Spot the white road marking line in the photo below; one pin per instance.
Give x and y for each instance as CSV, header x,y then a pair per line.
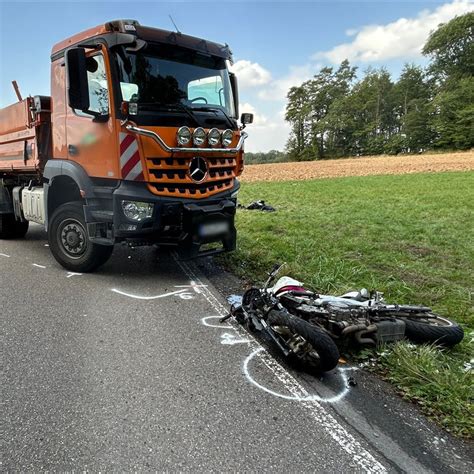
x,y
4,255
138,297
337,432
39,266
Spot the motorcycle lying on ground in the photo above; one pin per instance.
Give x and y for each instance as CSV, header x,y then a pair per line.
x,y
309,327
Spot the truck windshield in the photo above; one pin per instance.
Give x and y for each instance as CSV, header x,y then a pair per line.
x,y
161,75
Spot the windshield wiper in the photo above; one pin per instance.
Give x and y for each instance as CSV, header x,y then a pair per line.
x,y
176,105
210,108
189,111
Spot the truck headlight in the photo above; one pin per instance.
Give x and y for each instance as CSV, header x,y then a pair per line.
x,y
214,136
227,137
199,136
136,210
183,135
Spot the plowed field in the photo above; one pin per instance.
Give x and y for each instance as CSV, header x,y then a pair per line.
x,y
365,166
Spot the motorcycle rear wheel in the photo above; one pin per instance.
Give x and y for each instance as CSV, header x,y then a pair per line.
x,y
435,329
321,354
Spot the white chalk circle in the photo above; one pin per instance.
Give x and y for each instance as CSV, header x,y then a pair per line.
x,y
308,398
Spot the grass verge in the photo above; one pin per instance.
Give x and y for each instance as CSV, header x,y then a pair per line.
x,y
410,236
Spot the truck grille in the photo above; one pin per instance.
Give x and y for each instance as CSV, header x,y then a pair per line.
x,y
170,177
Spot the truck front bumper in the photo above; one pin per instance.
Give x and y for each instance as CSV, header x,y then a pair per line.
x,y
188,225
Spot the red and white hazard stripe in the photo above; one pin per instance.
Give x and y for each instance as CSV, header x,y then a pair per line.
x,y
130,162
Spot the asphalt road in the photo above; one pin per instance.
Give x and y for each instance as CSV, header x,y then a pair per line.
x,y
125,369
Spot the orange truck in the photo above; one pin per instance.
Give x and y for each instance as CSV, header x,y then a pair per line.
x,y
139,142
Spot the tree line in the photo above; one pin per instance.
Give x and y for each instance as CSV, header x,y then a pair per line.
x,y
334,114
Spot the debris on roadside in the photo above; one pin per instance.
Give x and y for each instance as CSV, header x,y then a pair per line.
x,y
468,366
351,382
258,206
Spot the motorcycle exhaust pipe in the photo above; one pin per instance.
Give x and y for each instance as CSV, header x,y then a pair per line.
x,y
366,340
354,328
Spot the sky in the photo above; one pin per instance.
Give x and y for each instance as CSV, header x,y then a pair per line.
x,y
276,44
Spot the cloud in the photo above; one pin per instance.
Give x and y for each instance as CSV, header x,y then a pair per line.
x,y
265,134
271,136
278,89
258,119
403,38
250,74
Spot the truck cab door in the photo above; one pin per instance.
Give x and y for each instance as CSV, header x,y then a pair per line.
x,y
91,137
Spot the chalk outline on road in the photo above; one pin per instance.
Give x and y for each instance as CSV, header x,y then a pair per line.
x,y
228,339
332,427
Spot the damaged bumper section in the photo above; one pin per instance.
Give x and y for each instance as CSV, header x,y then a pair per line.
x,y
132,214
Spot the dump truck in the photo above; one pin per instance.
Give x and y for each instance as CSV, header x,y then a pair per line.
x,y
139,142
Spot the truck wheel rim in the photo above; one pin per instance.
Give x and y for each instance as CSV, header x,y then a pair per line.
x,y
73,239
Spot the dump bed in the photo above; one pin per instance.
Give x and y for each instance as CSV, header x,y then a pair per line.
x,y
24,135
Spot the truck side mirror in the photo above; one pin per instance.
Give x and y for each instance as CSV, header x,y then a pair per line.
x,y
77,88
235,92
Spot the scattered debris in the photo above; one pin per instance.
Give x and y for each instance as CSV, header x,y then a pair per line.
x,y
469,366
234,300
351,381
258,206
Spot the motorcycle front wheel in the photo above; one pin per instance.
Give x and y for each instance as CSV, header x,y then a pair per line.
x,y
433,329
310,345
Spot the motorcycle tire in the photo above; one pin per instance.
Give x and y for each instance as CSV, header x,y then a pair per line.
x,y
321,343
252,299
435,329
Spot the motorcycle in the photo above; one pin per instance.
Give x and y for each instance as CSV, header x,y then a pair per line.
x,y
309,326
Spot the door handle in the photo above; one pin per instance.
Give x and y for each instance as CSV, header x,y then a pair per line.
x,y
73,150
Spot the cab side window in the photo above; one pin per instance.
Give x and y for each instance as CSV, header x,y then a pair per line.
x,y
98,87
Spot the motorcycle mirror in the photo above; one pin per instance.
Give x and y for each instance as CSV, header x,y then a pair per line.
x,y
277,267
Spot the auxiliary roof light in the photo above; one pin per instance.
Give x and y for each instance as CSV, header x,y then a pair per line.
x,y
199,136
214,136
184,135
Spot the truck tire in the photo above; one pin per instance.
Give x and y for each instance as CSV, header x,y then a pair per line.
x,y
69,242
10,228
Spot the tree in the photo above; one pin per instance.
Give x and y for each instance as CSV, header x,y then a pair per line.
x,y
412,96
454,115
307,108
373,118
332,115
451,48
297,110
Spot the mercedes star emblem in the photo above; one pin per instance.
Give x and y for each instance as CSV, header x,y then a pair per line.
x,y
198,169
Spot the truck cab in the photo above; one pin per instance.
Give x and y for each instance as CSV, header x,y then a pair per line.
x,y
139,142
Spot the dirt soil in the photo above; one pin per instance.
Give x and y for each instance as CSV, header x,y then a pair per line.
x,y
364,166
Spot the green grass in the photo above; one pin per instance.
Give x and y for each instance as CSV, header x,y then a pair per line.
x,y
410,236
